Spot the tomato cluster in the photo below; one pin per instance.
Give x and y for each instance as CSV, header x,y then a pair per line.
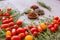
x,y
54,25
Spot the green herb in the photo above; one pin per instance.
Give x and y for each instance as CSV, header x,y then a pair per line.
x,y
44,5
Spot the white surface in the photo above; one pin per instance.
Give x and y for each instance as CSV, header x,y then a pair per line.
x,y
22,4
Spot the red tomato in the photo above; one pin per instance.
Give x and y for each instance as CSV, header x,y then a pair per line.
x,y
4,25
5,21
9,9
40,29
3,18
59,21
26,28
15,38
15,26
22,35
55,21
6,14
52,29
13,32
8,37
26,33
34,7
11,24
11,20
1,10
56,26
56,17
33,29
35,33
30,27
10,16
8,29
50,25
20,30
19,22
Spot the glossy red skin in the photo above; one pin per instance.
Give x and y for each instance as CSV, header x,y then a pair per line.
x,y
10,16
26,33
33,29
4,25
15,26
1,10
26,28
11,20
35,33
22,35
20,30
40,29
8,29
6,14
56,26
13,32
56,17
15,38
50,26
9,9
59,21
19,22
8,37
5,21
3,18
52,30
11,24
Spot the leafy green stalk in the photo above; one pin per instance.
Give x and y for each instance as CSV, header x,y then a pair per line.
x,y
44,5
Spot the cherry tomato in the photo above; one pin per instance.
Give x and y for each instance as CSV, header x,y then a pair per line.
x,y
10,16
40,29
50,25
6,14
15,26
43,26
55,21
13,31
8,37
30,27
34,7
8,33
19,22
56,17
5,21
11,24
59,21
15,38
35,33
33,29
52,29
56,26
20,30
3,18
9,9
1,10
29,37
11,20
4,25
22,35
26,33
26,28
8,29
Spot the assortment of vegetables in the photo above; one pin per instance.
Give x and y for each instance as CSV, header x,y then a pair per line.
x,y
12,29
